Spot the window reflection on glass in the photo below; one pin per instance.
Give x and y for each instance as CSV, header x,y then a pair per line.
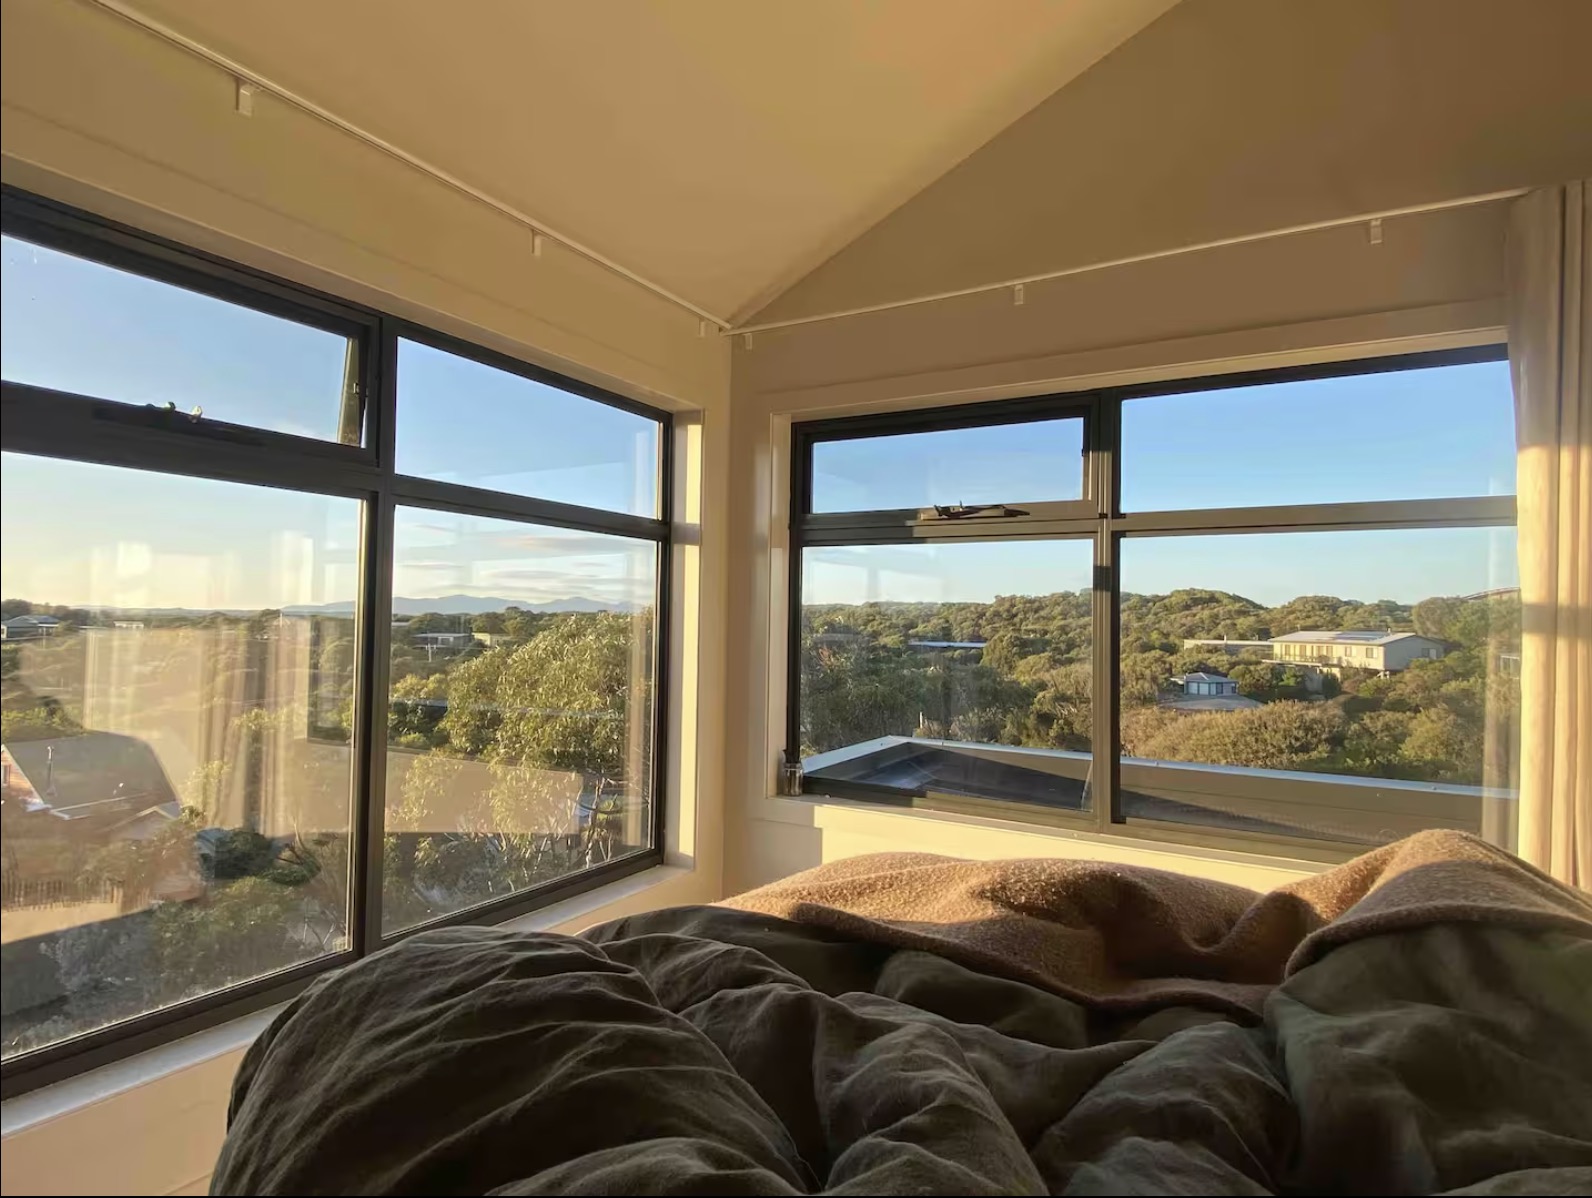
x,y
74,325
1032,462
521,718
1435,433
916,658
1386,655
177,698
460,421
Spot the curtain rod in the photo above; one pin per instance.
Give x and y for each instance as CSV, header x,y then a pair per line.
x,y
1243,239
252,78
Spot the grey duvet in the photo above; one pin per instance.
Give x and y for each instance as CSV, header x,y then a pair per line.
x,y
1422,1025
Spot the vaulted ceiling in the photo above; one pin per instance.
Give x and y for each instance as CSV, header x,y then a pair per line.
x,y
719,148
782,158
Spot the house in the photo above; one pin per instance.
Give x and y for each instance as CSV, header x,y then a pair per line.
x,y
1384,652
29,628
1204,691
449,641
1202,685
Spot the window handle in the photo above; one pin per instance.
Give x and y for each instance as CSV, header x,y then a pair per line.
x,y
961,511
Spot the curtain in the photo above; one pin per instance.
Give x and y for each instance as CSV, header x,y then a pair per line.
x,y
1550,355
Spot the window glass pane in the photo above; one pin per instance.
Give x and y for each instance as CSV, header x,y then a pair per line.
x,y
916,660
177,696
1279,661
75,325
460,421
1437,433
998,463
521,721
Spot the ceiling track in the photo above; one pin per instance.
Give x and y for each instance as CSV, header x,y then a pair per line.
x,y
254,79
1018,287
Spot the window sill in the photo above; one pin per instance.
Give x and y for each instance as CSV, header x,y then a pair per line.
x,y
659,886
982,837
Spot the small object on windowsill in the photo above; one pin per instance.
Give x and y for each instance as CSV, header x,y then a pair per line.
x,y
962,511
790,774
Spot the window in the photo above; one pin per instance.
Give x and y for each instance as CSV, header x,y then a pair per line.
x,y
907,650
370,641
463,421
1437,730
177,794
1020,462
75,325
519,728
1313,654
1435,433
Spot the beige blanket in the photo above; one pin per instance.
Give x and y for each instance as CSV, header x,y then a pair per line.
x,y
1126,936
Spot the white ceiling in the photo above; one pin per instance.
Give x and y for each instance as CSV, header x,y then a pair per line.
x,y
719,148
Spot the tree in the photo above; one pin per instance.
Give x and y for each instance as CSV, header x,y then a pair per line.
x,y
1283,735
561,701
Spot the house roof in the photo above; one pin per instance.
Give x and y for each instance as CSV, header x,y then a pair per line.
x,y
1202,676
1351,638
74,773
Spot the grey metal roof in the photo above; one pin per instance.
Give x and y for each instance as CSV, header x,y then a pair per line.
x,y
1350,638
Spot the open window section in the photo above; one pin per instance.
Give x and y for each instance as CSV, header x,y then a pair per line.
x,y
960,469
948,671
1349,686
71,324
178,685
463,421
521,716
1441,432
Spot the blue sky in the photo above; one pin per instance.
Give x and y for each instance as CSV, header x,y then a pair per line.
x,y
83,327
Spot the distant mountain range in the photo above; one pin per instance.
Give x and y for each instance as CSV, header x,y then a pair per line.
x,y
447,605
467,605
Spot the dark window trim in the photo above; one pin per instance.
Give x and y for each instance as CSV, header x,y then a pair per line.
x,y
1109,525
46,423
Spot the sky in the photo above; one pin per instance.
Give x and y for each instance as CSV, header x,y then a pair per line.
x,y
1429,434
80,534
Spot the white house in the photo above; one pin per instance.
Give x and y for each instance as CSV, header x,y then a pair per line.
x,y
1380,651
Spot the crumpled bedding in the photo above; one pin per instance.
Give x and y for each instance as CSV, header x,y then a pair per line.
x,y
1420,1034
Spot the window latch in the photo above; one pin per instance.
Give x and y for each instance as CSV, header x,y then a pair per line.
x,y
962,511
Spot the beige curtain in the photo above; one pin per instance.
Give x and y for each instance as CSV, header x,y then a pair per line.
x,y
1550,354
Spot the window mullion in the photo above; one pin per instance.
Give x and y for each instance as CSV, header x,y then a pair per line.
x,y
376,641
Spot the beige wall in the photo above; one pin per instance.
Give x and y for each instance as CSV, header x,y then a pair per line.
x,y
1232,117
1435,279
98,114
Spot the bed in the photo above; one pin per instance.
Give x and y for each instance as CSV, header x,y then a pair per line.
x,y
1416,1021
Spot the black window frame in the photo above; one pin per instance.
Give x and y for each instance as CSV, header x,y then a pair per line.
x,y
57,424
1099,517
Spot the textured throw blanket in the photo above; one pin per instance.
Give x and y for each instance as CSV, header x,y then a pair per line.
x,y
1419,1020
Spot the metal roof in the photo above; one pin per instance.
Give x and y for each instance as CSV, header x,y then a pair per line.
x,y
1350,638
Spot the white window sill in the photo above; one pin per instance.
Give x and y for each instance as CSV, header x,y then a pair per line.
x,y
1017,839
